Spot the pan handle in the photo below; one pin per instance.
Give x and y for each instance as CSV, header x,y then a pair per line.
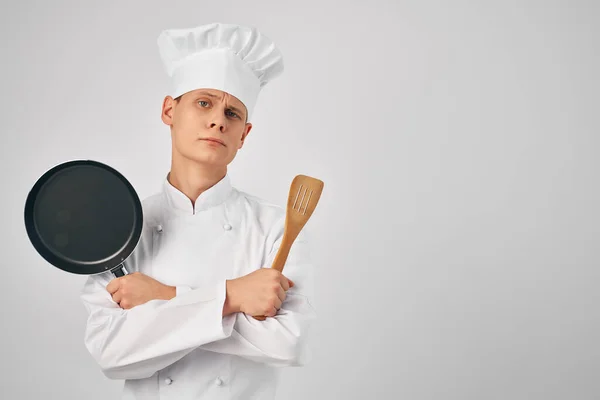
x,y
120,271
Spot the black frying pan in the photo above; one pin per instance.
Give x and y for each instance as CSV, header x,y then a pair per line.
x,y
84,217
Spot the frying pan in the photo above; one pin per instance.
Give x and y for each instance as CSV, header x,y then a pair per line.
x,y
84,217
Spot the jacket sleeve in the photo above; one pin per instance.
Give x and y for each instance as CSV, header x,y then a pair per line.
x,y
135,343
283,339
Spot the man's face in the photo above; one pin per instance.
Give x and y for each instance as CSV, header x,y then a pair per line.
x,y
202,118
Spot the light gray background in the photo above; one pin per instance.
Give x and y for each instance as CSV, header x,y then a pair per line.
x,y
456,242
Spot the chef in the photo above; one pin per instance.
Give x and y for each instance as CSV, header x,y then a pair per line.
x,y
181,324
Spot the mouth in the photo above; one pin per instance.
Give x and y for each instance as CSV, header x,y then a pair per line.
x,y
214,141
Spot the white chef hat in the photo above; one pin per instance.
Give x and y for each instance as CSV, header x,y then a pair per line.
x,y
236,59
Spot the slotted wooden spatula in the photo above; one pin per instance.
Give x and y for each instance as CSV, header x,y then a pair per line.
x,y
304,195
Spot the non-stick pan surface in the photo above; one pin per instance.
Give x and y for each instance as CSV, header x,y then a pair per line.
x,y
84,217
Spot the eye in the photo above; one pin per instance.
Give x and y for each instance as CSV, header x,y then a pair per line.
x,y
201,103
234,115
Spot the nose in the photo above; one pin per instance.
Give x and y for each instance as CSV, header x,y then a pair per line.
x,y
218,121
220,126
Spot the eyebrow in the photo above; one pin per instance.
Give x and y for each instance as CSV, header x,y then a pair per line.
x,y
216,97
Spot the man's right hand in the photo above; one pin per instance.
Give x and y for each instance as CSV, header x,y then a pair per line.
x,y
259,293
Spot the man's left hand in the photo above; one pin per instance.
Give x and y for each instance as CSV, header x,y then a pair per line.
x,y
136,288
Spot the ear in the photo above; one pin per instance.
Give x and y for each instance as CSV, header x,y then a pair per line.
x,y
245,134
167,110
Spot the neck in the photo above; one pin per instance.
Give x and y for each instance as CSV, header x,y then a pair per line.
x,y
193,178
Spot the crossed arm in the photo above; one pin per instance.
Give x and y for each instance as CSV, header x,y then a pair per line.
x,y
161,324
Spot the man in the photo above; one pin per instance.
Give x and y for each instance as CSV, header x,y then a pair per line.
x,y
181,324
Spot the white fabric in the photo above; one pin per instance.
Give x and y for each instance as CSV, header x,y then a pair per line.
x,y
236,59
183,348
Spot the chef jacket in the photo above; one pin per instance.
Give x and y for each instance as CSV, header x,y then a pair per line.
x,y
184,348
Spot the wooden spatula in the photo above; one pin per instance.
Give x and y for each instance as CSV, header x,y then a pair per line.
x,y
304,195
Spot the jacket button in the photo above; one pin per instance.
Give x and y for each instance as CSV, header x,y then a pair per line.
x,y
218,381
159,228
168,381
227,227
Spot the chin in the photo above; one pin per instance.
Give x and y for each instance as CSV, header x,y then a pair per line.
x,y
207,160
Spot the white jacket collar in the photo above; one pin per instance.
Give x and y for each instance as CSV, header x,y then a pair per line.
x,y
177,201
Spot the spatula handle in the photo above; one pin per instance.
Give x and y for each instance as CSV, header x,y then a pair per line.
x,y
282,255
